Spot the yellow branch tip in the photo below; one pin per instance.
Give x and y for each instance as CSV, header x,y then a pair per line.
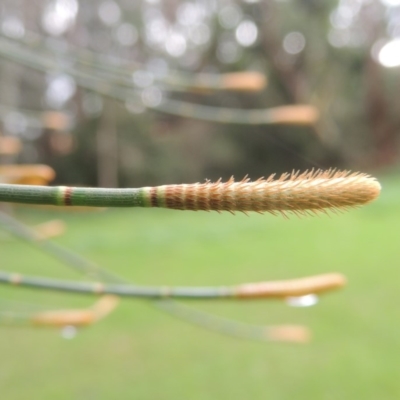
x,y
316,284
289,333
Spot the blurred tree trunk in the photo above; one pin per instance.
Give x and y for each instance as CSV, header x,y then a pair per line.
x,y
378,115
291,77
107,147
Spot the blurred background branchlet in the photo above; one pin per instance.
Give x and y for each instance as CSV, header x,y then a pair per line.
x,y
98,89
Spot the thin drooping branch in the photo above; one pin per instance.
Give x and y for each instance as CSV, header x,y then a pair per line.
x,y
120,71
42,315
274,289
281,333
301,114
66,256
177,309
86,317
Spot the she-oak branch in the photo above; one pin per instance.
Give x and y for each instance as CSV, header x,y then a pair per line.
x,y
309,192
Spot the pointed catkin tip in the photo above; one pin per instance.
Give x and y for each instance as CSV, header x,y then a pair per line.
x,y
63,318
289,333
316,284
375,188
244,81
295,115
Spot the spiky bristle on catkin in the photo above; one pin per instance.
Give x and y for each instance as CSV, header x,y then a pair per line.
x,y
313,191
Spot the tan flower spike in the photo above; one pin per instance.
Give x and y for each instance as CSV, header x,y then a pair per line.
x,y
313,191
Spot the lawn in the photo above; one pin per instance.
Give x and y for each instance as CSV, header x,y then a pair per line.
x,y
140,353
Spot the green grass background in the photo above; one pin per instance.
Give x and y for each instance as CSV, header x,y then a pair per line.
x,y
140,353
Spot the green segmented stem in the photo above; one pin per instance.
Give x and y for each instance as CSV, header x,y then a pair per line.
x,y
274,289
278,289
68,196
99,289
310,192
